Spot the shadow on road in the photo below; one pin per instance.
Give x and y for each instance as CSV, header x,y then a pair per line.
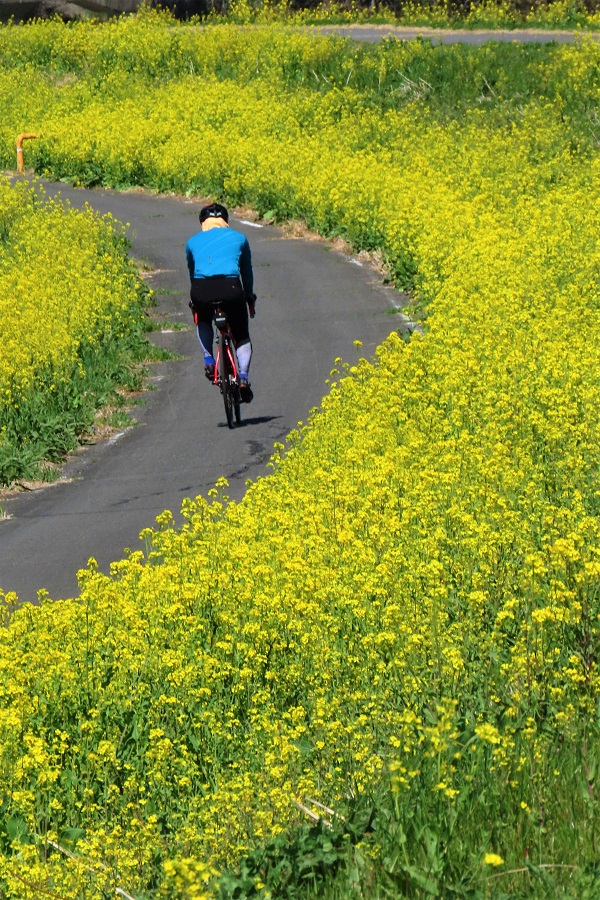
x,y
257,420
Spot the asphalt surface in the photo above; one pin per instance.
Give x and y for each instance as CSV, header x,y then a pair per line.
x,y
313,303
375,33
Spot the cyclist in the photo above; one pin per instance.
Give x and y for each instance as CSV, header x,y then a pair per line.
x,y
220,266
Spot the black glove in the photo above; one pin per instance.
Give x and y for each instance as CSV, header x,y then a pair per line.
x,y
251,301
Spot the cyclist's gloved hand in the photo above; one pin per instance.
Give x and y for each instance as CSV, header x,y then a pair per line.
x,y
251,299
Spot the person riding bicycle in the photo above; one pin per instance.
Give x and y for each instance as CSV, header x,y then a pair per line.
x,y
220,267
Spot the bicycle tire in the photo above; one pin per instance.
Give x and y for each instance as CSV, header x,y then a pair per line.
x,y
234,383
226,387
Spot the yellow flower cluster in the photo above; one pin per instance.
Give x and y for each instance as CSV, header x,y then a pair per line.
x,y
412,598
62,282
488,14
65,284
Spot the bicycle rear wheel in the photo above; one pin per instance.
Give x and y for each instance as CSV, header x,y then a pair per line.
x,y
234,384
225,379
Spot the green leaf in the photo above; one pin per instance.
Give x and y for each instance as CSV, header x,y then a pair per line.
x,y
423,881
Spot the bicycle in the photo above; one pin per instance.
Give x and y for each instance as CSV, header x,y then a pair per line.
x,y
226,375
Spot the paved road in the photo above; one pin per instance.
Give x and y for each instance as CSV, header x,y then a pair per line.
x,y
313,303
375,33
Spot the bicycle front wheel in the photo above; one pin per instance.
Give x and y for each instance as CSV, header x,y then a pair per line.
x,y
226,385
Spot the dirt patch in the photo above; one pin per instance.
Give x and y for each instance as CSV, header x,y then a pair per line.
x,y
146,273
64,79
27,485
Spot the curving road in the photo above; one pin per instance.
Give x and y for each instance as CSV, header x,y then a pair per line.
x,y
313,303
375,33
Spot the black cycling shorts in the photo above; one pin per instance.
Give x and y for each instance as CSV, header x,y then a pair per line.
x,y
230,294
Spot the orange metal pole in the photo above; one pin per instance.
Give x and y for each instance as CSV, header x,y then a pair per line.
x,y
22,137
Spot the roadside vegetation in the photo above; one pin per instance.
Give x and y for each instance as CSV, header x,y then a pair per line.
x,y
493,14
71,308
399,629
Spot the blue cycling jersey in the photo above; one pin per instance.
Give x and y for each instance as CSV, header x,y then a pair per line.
x,y
220,252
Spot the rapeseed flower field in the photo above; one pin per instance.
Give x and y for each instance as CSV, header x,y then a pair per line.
x,y
402,622
70,302
487,14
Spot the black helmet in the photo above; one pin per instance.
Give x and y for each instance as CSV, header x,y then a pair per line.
x,y
213,211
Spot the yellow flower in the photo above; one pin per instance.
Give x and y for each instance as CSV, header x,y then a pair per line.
x,y
492,859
